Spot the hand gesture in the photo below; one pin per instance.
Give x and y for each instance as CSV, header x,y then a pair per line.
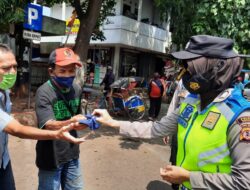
x,y
103,117
63,134
174,174
77,125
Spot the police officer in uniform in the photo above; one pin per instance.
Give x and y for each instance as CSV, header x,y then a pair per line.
x,y
212,123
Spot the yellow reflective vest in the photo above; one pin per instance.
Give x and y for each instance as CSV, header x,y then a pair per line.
x,y
202,136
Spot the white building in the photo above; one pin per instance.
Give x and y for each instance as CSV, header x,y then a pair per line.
x,y
138,39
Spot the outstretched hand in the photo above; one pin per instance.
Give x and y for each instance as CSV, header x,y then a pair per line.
x,y
174,174
77,125
103,117
63,134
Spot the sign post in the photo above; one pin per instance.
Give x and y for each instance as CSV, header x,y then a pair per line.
x,y
30,71
33,21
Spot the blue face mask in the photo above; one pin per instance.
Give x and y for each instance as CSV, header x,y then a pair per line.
x,y
65,82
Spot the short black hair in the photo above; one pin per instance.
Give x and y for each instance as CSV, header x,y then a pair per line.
x,y
52,65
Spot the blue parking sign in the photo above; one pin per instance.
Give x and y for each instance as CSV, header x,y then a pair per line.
x,y
33,17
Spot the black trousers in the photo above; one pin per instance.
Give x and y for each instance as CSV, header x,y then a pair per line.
x,y
173,155
6,178
155,107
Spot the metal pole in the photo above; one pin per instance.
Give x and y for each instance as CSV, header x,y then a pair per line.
x,y
70,25
30,61
66,41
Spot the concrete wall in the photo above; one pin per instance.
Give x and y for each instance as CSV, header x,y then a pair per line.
x,y
118,7
56,11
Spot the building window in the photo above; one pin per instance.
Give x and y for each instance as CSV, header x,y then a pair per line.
x,y
128,12
129,61
100,56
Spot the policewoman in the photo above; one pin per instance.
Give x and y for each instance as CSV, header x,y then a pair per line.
x,y
212,123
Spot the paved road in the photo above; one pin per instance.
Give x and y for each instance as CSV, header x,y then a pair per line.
x,y
109,162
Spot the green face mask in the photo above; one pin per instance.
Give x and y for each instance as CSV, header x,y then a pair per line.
x,y
8,81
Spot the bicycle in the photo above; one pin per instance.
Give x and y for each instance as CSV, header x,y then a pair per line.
x,y
126,98
120,101
90,100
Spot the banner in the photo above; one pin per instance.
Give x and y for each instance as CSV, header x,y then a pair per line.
x,y
72,28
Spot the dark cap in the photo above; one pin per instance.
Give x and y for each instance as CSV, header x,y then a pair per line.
x,y
207,46
63,57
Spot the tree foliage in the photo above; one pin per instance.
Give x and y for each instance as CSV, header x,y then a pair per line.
x,y
11,11
227,18
224,18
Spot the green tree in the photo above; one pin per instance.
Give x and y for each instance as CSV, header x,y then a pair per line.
x,y
11,12
224,18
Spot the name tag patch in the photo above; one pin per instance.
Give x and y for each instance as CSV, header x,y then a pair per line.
x,y
185,115
187,112
211,120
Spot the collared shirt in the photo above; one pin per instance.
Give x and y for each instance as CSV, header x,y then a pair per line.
x,y
5,107
179,95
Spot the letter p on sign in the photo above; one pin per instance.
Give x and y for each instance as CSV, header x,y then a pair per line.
x,y
33,17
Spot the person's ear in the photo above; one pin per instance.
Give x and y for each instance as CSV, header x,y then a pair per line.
x,y
50,70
